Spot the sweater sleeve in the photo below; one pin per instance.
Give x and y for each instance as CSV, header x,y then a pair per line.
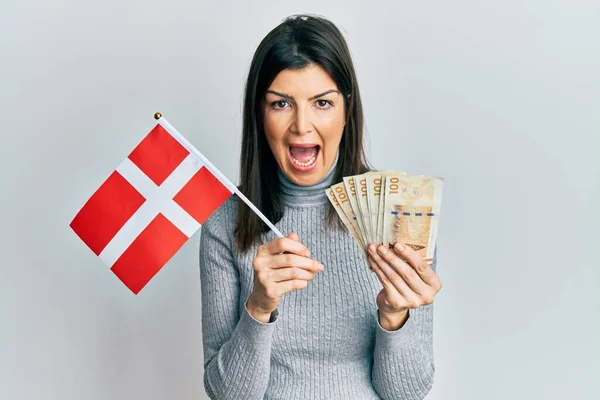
x,y
237,348
403,364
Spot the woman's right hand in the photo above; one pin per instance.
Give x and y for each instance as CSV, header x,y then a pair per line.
x,y
280,266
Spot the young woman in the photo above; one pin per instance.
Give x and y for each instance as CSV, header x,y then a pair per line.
x,y
303,317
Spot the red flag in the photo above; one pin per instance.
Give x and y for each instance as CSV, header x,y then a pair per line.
x,y
150,206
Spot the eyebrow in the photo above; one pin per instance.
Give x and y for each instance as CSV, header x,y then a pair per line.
x,y
287,96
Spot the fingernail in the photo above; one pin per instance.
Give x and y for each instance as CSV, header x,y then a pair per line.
x,y
382,249
321,267
399,246
372,248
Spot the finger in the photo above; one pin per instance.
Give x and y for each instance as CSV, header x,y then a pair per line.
x,y
280,245
294,236
392,296
293,273
416,262
404,270
382,277
290,286
396,280
371,263
293,260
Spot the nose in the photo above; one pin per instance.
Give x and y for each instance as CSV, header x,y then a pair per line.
x,y
302,123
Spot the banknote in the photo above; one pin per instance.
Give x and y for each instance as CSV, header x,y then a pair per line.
x,y
377,195
339,191
374,194
411,212
350,185
338,208
385,207
362,195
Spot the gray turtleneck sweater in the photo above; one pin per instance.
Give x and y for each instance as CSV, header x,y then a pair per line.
x,y
323,341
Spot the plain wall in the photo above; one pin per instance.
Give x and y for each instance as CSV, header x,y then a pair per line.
x,y
499,98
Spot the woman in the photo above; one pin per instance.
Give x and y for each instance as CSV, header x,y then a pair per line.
x,y
302,317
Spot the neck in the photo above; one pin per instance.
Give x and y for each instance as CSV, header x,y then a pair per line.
x,y
298,195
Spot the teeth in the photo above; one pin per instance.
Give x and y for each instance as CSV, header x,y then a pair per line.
x,y
306,164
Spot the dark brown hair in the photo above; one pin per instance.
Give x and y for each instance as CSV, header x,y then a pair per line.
x,y
300,40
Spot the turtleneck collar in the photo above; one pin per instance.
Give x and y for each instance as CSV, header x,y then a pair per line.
x,y
297,195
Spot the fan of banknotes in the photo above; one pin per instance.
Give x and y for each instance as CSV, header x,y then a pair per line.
x,y
385,207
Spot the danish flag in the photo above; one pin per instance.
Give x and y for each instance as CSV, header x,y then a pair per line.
x,y
154,201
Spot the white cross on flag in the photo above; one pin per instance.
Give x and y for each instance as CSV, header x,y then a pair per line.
x,y
151,205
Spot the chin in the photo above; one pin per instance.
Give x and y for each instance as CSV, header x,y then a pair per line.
x,y
305,178
310,180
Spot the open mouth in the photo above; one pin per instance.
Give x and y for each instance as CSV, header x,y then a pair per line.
x,y
304,156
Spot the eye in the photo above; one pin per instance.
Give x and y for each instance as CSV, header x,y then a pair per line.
x,y
416,192
324,104
277,103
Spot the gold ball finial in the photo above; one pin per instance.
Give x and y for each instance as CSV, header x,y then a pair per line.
x,y
157,115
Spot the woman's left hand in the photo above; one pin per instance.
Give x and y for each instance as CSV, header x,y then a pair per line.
x,y
408,281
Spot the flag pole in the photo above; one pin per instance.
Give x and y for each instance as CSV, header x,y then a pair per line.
x,y
218,174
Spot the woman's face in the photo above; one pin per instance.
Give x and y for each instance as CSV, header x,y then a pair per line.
x,y
304,120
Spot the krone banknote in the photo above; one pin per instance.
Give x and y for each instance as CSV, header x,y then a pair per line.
x,y
411,212
338,208
362,199
379,185
374,194
350,185
339,191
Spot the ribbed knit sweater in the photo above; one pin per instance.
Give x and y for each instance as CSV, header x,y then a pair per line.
x,y
323,341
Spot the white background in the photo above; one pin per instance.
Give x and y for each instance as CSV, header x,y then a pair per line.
x,y
500,98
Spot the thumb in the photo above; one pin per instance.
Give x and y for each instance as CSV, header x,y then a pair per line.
x,y
294,236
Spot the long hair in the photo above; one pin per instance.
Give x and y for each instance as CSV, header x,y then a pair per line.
x,y
300,40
